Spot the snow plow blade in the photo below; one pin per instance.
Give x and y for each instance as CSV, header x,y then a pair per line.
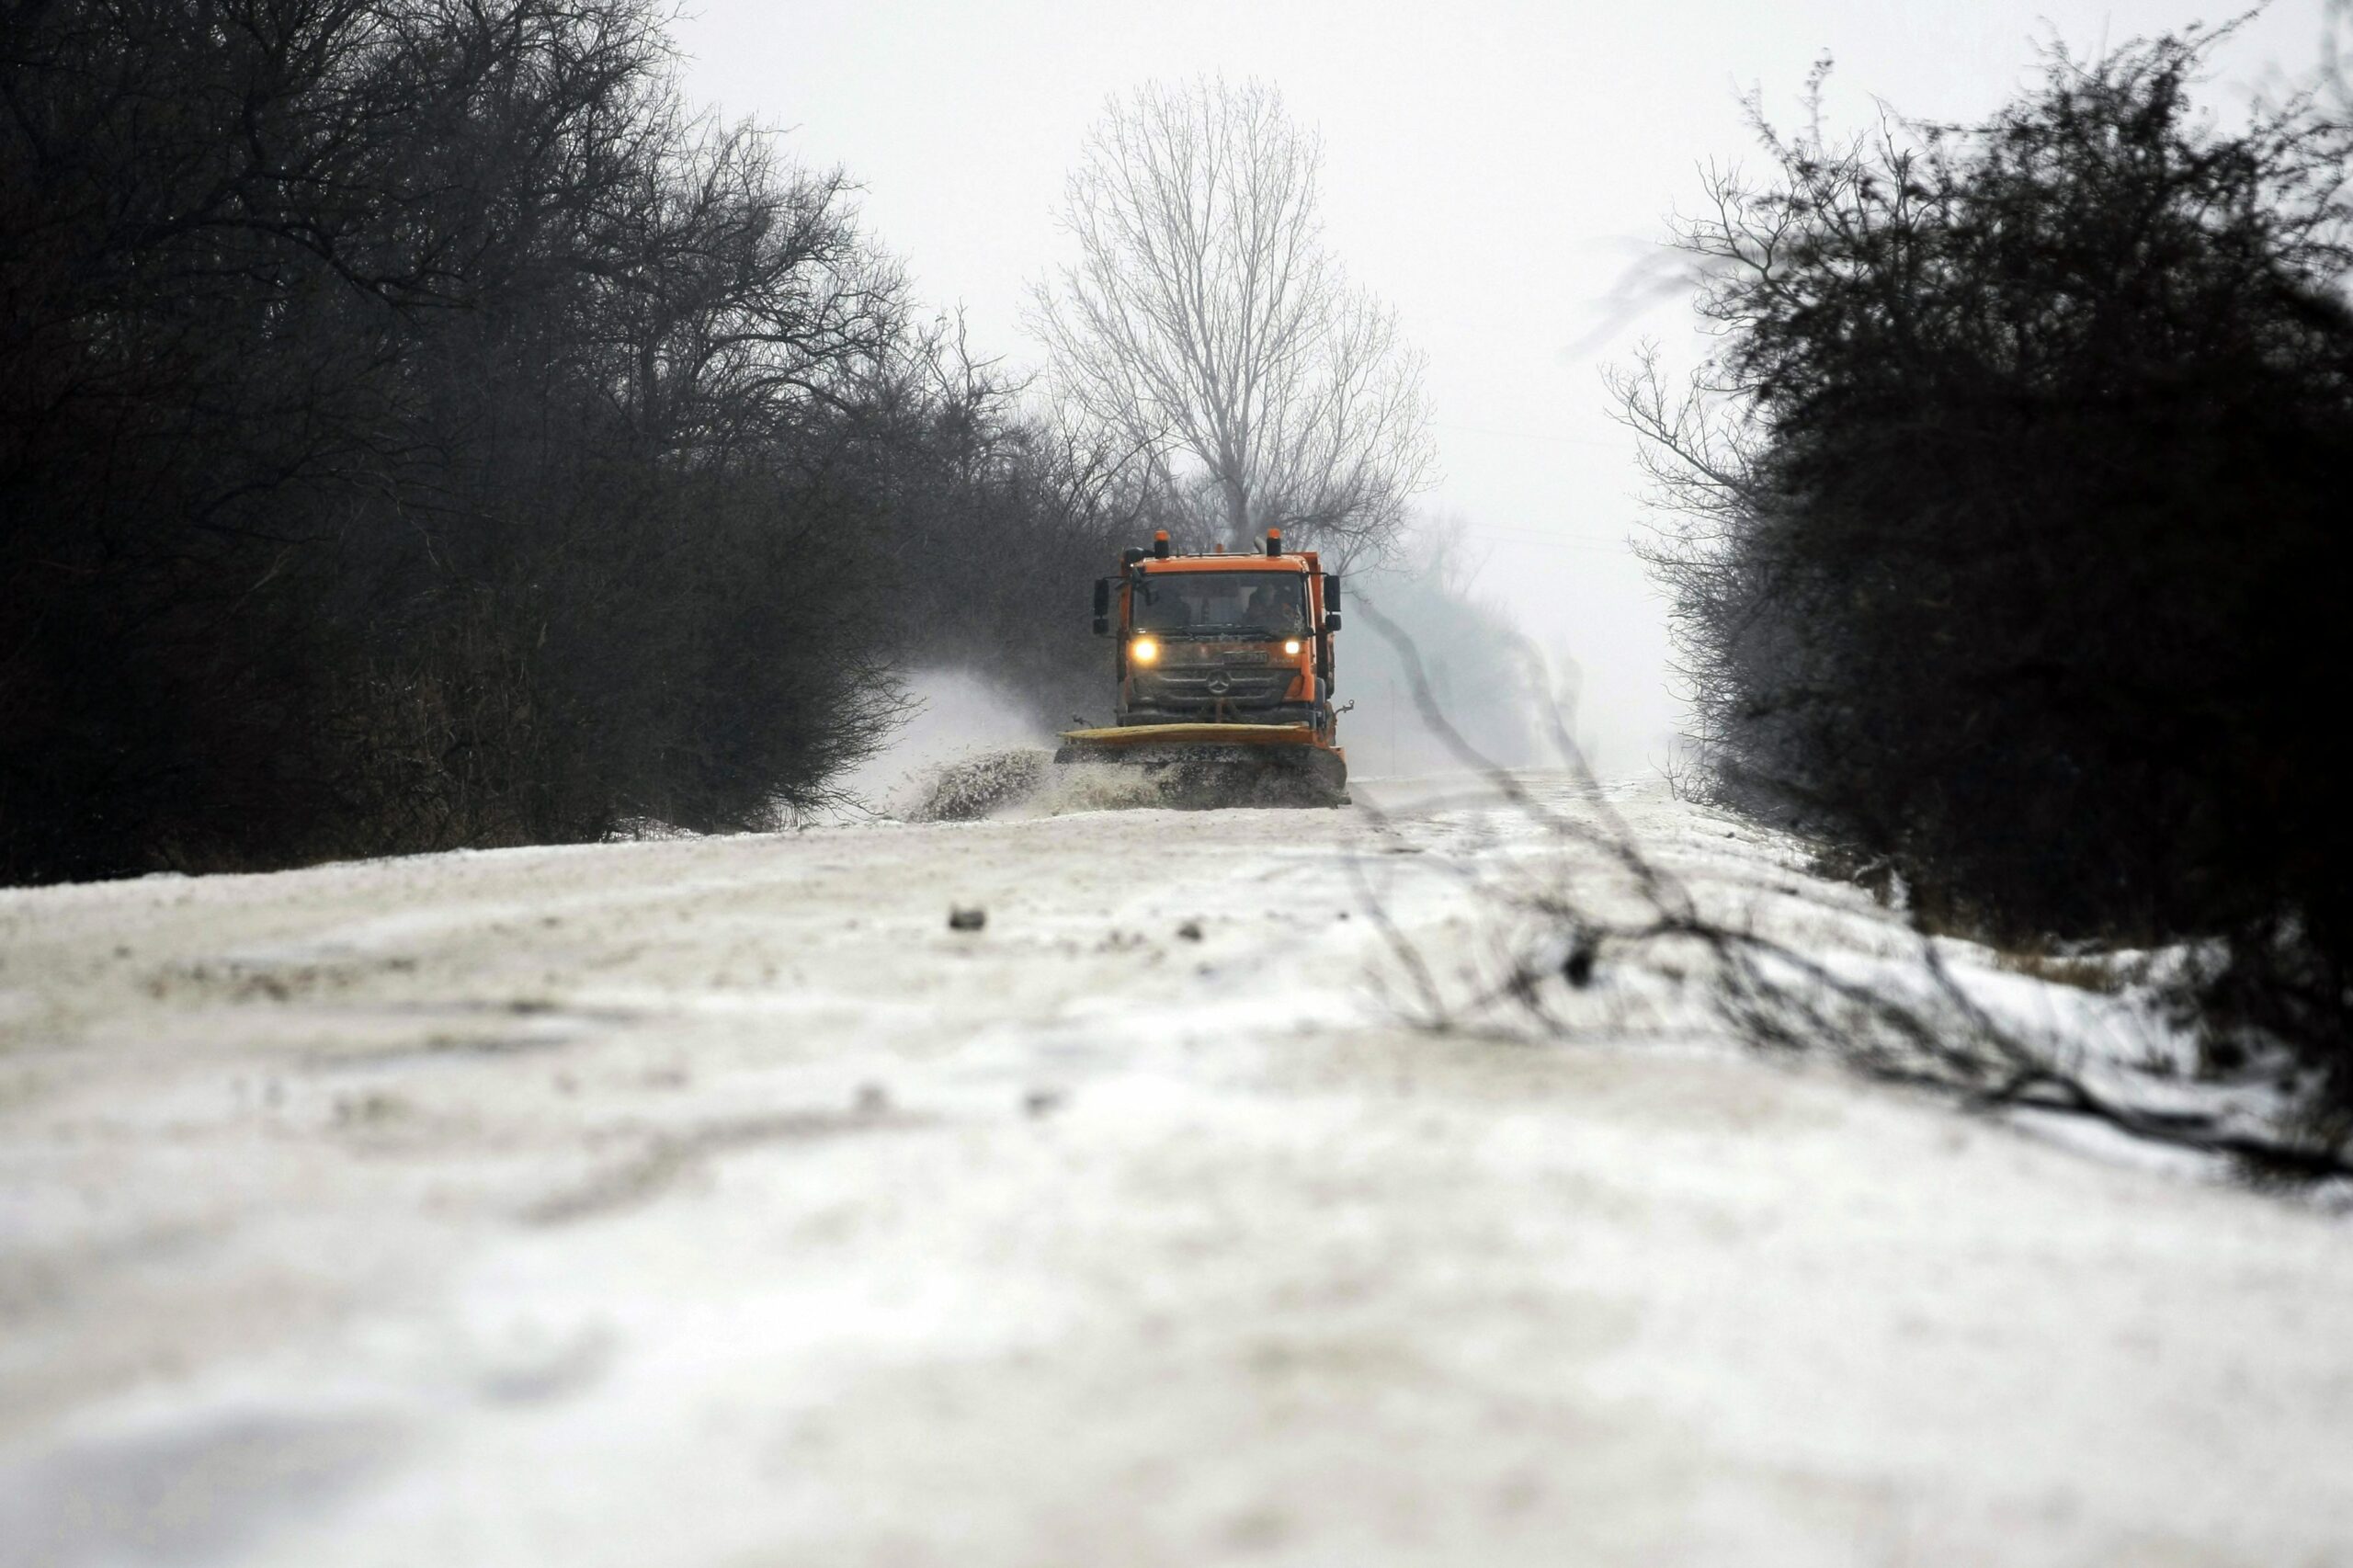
x,y
1202,766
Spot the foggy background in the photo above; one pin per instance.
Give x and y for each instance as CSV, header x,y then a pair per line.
x,y
1493,170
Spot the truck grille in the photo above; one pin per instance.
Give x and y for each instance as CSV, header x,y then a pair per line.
x,y
1207,687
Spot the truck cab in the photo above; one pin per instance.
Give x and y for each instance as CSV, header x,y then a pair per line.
x,y
1236,637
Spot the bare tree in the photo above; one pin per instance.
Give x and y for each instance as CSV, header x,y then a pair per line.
x,y
1205,329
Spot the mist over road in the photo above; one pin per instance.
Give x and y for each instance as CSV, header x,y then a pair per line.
x,y
714,1201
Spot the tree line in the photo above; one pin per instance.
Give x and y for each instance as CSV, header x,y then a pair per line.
x,y
418,428
2009,524
421,427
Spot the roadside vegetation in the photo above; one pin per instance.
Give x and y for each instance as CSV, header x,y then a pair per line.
x,y
420,428
2005,529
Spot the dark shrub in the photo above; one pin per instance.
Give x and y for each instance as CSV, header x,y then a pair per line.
x,y
2021,566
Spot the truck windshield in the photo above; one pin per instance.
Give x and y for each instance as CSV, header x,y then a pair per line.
x,y
1262,603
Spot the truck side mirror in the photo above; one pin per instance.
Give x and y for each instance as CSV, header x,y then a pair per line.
x,y
1332,621
1332,591
1102,606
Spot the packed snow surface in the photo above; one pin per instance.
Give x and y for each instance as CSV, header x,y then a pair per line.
x,y
714,1203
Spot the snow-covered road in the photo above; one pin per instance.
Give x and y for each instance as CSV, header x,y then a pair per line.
x,y
712,1203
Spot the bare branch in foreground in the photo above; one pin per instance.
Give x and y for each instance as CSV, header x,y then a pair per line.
x,y
1919,1027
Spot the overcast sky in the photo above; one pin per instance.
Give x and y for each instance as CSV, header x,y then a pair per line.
x,y
1490,169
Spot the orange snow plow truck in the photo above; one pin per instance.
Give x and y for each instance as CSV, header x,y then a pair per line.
x,y
1224,667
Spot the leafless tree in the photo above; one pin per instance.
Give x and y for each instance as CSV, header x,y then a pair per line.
x,y
421,426
1205,328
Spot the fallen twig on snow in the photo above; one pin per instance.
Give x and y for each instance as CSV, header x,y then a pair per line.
x,y
1772,995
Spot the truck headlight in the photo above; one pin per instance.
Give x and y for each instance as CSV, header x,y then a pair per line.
x,y
1143,650
1290,646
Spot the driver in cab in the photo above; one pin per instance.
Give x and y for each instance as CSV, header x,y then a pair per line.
x,y
1267,611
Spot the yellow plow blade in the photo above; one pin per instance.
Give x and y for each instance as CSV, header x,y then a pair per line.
x,y
1201,766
